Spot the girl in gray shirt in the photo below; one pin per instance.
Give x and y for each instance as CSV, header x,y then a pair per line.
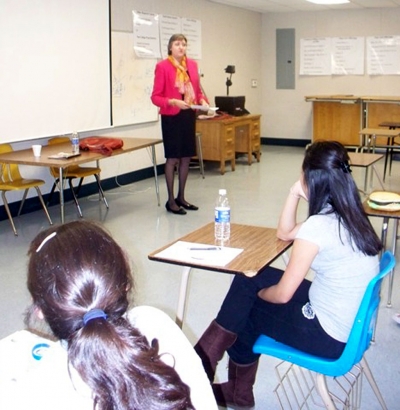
x,y
337,242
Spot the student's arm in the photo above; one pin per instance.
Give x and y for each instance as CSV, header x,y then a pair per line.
x,y
303,253
287,225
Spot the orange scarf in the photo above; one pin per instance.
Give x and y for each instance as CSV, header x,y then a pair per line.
x,y
182,81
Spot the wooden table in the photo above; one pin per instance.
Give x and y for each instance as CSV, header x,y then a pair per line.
x,y
337,117
364,160
386,216
25,157
260,248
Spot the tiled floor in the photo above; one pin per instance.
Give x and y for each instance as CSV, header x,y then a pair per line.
x,y
256,194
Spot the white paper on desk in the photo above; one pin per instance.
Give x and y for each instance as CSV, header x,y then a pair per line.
x,y
203,108
180,251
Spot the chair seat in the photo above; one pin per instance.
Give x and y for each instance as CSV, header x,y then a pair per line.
x,y
79,172
75,172
329,367
17,185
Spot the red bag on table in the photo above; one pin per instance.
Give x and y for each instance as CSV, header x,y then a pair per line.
x,y
102,145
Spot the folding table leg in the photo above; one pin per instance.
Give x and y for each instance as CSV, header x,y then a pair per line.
x,y
180,312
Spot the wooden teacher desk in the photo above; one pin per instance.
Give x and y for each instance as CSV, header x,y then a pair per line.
x,y
25,157
223,137
341,117
260,248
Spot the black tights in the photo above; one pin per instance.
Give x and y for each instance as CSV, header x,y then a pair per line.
x,y
182,164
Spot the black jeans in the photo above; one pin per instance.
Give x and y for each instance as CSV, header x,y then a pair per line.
x,y
245,314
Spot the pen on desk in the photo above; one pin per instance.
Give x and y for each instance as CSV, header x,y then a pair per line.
x,y
211,248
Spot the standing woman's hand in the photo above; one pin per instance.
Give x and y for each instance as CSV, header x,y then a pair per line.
x,y
174,102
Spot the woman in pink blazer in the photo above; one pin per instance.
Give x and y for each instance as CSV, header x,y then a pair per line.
x,y
176,89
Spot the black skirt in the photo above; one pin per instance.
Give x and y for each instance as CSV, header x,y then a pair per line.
x,y
179,134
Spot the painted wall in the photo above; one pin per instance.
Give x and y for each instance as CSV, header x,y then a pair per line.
x,y
230,36
285,113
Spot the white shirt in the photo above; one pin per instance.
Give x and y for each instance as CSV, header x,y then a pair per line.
x,y
342,274
44,382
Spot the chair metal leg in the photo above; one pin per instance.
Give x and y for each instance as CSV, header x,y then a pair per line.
x,y
22,201
391,275
43,204
79,186
101,192
200,153
324,392
75,198
49,198
372,382
3,194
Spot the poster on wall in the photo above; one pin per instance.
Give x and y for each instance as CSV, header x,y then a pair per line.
x,y
169,25
191,28
383,55
348,55
315,56
152,32
146,37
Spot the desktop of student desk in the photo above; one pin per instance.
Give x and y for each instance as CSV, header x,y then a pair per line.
x,y
25,157
260,248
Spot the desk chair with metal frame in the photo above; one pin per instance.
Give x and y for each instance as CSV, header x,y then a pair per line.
x,y
351,364
73,172
11,180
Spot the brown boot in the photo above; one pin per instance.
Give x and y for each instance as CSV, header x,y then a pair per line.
x,y
238,390
212,346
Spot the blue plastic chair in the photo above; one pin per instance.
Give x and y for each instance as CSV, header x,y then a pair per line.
x,y
353,354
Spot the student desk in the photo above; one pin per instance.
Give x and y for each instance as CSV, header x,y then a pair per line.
x,y
369,136
25,157
260,248
387,216
358,159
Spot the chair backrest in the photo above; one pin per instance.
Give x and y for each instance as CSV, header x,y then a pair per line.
x,y
9,172
364,323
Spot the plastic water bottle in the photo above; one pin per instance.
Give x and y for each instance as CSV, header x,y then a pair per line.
x,y
75,142
222,221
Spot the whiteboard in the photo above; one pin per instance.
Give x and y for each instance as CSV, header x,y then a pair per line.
x,y
132,83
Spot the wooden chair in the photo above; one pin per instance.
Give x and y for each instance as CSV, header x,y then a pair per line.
x,y
11,180
73,172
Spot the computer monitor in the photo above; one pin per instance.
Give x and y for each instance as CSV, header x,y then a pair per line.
x,y
231,105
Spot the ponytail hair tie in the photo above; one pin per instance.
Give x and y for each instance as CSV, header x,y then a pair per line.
x,y
345,166
93,314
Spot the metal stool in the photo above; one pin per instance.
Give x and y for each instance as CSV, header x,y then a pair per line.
x,y
199,154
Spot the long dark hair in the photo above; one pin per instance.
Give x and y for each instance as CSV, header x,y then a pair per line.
x,y
327,175
77,267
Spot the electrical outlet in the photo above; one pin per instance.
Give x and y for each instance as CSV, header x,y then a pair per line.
x,y
254,83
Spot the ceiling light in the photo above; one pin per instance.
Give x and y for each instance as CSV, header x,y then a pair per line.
x,y
328,2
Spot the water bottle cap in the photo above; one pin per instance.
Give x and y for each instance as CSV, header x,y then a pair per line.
x,y
222,191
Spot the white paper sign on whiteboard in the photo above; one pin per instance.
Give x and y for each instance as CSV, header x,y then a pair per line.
x,y
132,83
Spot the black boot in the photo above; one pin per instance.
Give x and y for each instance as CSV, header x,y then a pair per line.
x,y
212,346
238,390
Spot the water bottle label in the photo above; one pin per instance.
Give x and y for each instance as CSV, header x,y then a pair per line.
x,y
222,215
